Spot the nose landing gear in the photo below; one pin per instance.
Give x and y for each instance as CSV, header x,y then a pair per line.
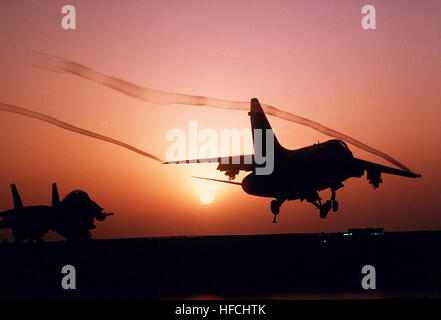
x,y
327,206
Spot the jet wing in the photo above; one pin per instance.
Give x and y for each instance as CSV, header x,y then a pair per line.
x,y
374,167
235,163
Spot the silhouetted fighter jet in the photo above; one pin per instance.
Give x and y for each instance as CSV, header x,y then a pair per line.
x,y
72,218
301,173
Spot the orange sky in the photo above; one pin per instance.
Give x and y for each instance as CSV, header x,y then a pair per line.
x,y
307,57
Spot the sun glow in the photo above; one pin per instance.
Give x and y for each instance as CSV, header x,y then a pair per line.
x,y
206,189
206,197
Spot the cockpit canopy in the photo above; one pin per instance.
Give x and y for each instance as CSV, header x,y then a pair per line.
x,y
342,147
80,199
343,144
78,195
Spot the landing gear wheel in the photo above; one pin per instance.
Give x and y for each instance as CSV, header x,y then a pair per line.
x,y
334,205
325,209
275,208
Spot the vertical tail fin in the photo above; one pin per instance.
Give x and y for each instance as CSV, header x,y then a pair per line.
x,y
16,198
260,121
55,197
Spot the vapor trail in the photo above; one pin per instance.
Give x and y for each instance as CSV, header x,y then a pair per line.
x,y
60,64
64,125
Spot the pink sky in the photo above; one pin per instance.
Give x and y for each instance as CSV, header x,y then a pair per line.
x,y
311,58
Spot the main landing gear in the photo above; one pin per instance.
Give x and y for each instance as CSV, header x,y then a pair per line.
x,y
275,208
315,199
325,207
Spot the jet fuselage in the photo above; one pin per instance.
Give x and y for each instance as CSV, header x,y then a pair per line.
x,y
299,172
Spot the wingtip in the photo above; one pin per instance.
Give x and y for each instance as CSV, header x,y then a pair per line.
x,y
413,175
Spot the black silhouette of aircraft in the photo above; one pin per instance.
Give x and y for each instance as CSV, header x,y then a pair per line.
x,y
72,218
298,174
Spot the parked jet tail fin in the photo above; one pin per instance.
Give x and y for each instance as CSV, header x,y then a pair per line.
x,y
17,201
260,121
55,197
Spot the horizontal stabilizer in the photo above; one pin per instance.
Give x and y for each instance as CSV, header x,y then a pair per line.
x,y
217,180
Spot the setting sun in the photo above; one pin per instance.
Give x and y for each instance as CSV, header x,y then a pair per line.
x,y
206,197
206,191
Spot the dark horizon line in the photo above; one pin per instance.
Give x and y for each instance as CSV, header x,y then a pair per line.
x,y
251,235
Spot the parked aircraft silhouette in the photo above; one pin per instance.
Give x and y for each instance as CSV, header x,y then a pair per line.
x,y
72,218
301,173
